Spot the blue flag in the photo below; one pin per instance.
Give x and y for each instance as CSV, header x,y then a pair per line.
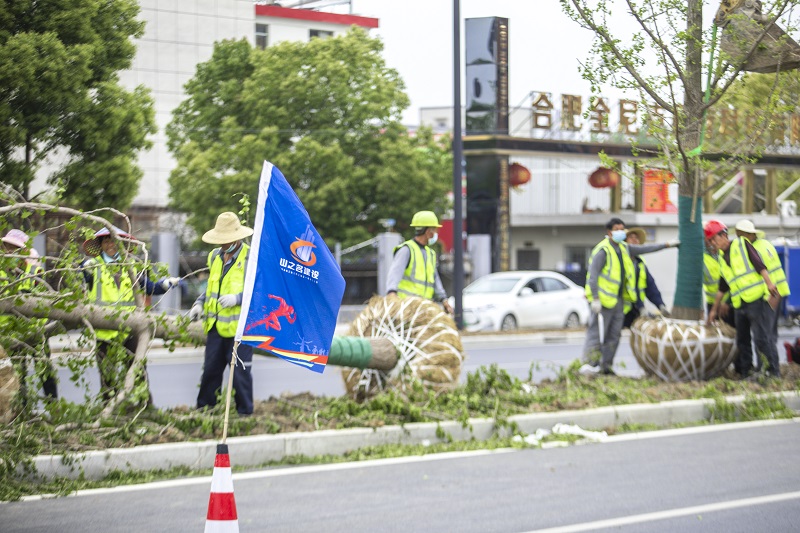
x,y
293,286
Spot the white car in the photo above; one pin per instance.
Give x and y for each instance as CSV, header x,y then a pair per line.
x,y
506,301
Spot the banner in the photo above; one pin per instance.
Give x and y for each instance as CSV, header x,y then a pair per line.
x,y
293,286
655,191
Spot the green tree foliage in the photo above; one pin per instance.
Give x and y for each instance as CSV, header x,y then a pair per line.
x,y
59,93
660,49
327,114
765,106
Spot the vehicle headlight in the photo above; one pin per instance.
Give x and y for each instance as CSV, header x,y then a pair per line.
x,y
484,308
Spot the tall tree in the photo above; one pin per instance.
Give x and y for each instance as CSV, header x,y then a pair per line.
x,y
327,113
662,60
60,96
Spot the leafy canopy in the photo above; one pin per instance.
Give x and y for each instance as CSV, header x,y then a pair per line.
x,y
327,113
60,95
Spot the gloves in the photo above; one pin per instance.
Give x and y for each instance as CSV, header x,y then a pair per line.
x,y
596,306
168,283
196,312
674,243
228,300
664,310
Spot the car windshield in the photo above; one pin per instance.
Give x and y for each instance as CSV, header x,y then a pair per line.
x,y
492,285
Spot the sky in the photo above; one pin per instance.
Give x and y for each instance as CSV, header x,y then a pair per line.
x,y
544,47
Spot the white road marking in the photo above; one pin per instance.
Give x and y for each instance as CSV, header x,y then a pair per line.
x,y
672,513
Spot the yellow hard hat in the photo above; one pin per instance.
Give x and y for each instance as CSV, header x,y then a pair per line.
x,y
425,219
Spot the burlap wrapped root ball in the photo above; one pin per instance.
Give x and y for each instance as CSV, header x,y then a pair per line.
x,y
682,350
9,387
426,338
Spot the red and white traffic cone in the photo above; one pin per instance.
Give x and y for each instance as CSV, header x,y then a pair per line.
x,y
221,517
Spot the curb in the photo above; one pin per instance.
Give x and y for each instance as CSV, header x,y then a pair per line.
x,y
260,449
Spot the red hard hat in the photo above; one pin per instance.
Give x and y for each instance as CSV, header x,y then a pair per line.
x,y
713,227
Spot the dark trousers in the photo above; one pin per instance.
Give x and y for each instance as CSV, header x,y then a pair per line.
x,y
217,358
630,316
43,366
756,317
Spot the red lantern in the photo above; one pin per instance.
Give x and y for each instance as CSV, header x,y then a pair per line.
x,y
518,175
604,177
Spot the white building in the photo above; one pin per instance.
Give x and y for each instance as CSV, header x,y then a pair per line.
x,y
180,34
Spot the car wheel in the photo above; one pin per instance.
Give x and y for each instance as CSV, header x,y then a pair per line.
x,y
573,321
509,323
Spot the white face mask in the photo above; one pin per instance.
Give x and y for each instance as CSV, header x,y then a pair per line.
x,y
433,239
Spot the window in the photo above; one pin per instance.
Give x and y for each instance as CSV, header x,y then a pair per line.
x,y
262,32
322,34
552,284
577,257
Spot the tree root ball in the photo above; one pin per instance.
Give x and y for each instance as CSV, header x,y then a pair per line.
x,y
682,350
9,387
426,338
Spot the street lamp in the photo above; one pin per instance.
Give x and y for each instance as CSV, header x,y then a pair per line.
x,y
458,169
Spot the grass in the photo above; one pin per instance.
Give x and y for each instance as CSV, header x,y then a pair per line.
x,y
489,392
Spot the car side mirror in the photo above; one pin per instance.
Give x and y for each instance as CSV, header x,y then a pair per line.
x,y
526,291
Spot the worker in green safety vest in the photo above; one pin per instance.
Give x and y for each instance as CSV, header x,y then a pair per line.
x,y
109,284
413,271
753,294
711,274
219,307
611,290
23,274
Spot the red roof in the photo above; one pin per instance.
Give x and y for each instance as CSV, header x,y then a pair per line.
x,y
316,16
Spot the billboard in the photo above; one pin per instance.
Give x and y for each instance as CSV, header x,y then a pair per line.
x,y
486,73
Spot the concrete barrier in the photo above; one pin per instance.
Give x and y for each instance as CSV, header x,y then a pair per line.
x,y
260,449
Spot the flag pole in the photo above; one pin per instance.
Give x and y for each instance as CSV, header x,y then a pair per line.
x,y
234,355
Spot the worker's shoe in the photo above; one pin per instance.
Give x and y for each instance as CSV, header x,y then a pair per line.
x,y
608,372
588,369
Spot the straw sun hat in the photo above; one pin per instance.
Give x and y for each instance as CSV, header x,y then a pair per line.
x,y
91,247
639,233
228,229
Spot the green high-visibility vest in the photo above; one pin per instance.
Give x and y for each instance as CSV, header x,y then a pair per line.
x,y
745,283
226,319
773,263
105,292
710,276
419,276
26,285
608,283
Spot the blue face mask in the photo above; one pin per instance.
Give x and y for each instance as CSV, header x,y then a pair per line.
x,y
231,248
618,235
108,259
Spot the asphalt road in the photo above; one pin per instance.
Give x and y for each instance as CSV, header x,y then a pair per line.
x,y
735,478
175,377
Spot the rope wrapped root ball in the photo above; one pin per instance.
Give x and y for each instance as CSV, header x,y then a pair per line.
x,y
682,350
426,338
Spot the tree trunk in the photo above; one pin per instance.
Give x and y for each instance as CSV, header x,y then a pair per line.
x,y
689,284
377,353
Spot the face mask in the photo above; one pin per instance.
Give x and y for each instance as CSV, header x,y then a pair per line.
x,y
231,248
108,259
619,235
433,239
